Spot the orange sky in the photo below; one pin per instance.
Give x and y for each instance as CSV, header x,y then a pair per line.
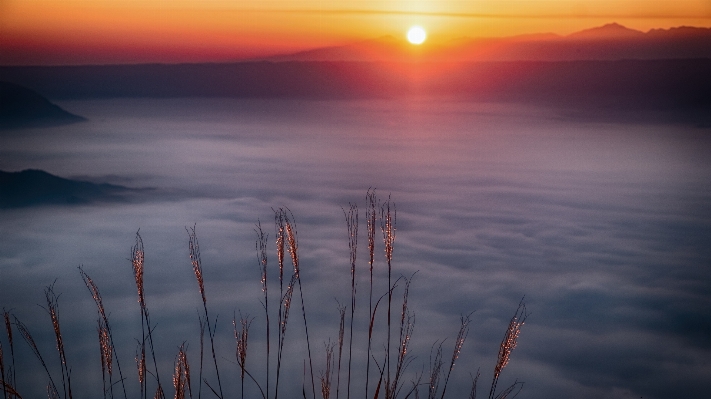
x,y
121,31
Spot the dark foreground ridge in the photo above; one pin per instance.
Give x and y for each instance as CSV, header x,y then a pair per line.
x,y
21,107
36,187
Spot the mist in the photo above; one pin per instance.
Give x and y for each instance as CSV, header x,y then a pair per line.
x,y
604,226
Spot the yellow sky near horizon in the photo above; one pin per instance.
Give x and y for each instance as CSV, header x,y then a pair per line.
x,y
99,31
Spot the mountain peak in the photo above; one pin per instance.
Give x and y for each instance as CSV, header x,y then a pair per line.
x,y
608,31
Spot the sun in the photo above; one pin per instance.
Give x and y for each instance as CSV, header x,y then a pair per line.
x,y
416,35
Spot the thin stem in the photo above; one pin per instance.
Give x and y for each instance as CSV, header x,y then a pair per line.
x,y
388,220
261,245
370,216
352,226
293,251
197,269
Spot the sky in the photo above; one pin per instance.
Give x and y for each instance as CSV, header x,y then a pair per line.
x,y
50,32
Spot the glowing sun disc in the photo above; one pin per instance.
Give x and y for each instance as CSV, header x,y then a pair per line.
x,y
416,35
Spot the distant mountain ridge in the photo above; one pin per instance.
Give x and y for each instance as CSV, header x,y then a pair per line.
x,y
33,187
608,42
21,107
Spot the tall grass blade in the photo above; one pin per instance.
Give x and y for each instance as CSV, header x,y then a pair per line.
x,y
341,333
352,226
293,247
261,246
370,216
458,343
96,295
194,248
25,334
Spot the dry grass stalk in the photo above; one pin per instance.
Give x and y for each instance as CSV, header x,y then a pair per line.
x,y
194,248
25,334
103,323
242,338
202,352
284,308
435,372
8,329
293,247
261,246
181,375
105,350
137,261
53,311
159,393
508,343
514,389
472,393
370,217
407,326
341,333
326,375
458,343
2,372
141,366
352,226
9,390
52,393
388,222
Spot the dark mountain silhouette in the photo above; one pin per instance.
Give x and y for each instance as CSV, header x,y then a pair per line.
x,y
608,42
21,107
36,187
608,31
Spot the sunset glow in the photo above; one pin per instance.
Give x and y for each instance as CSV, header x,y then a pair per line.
x,y
112,31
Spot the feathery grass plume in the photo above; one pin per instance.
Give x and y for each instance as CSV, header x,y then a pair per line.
x,y
458,343
341,333
280,234
53,311
194,248
472,393
352,226
104,320
25,334
370,217
284,308
242,338
141,366
11,370
407,326
159,393
326,375
137,261
435,371
508,343
261,246
104,344
181,375
52,393
388,222
293,247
